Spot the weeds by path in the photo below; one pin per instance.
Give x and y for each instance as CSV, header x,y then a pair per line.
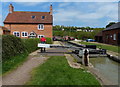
x,y
56,71
103,46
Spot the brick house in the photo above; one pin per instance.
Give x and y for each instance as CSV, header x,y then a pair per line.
x,y
4,31
99,37
110,35
26,24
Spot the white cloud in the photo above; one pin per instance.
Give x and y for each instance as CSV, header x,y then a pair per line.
x,y
102,10
69,14
25,0
106,10
1,20
0,16
30,3
64,4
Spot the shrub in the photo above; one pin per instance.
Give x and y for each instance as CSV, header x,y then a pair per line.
x,y
48,40
11,46
13,63
30,44
16,50
79,35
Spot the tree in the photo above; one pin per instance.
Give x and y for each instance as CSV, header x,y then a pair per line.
x,y
111,23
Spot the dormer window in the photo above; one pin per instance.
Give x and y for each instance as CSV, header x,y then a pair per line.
x,y
43,17
33,17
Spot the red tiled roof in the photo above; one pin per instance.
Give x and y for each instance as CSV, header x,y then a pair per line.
x,y
26,17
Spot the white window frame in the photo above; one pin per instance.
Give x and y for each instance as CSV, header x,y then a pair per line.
x,y
16,32
43,18
39,26
39,36
24,33
33,16
114,36
111,35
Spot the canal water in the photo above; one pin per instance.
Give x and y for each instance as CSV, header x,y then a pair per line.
x,y
107,67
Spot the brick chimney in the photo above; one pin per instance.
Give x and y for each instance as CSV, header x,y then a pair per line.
x,y
11,8
51,12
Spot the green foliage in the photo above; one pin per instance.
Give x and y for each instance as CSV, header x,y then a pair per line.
x,y
11,46
71,31
49,40
56,71
79,35
13,62
15,50
103,46
30,44
73,28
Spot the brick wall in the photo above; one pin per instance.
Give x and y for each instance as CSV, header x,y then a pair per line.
x,y
1,31
109,35
47,32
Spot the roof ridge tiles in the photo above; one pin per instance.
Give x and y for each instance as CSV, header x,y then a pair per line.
x,y
31,12
26,17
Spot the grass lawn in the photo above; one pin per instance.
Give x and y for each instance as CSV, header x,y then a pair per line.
x,y
56,71
108,47
13,63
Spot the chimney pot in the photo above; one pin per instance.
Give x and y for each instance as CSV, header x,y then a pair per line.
x,y
11,8
51,12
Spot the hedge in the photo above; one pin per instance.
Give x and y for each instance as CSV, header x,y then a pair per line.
x,y
16,50
12,46
79,35
49,41
30,44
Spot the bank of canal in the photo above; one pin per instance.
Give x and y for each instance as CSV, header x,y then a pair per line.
x,y
107,67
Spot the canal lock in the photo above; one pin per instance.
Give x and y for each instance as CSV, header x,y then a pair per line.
x,y
107,67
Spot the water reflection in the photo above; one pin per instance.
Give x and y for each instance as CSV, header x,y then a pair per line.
x,y
107,67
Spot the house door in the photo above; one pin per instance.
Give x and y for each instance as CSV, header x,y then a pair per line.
x,y
32,35
107,39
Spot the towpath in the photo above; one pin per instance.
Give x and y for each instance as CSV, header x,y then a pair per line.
x,y
22,74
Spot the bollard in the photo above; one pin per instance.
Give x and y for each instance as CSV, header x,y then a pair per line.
x,y
43,49
85,57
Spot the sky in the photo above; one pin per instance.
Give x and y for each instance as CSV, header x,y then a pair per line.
x,y
81,14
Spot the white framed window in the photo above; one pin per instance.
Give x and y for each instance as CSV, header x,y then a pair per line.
x,y
43,17
24,34
39,36
40,26
33,17
114,36
16,33
111,36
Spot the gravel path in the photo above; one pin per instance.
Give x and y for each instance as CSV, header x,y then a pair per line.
x,y
22,73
